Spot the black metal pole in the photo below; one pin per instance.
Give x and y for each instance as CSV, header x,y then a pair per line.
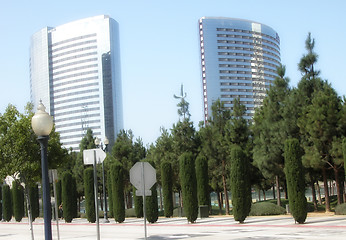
x,y
47,215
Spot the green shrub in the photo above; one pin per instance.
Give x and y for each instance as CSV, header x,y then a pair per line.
x,y
340,209
266,209
152,211
0,203
202,180
167,187
68,194
188,180
6,203
110,195
240,184
138,200
34,201
18,201
89,194
117,177
295,180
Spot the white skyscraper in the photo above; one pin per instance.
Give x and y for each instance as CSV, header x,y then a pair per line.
x,y
239,60
75,71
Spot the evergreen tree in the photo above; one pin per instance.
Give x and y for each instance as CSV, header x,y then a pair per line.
x,y
240,184
6,203
189,185
138,204
295,180
152,213
344,152
68,190
202,180
58,195
117,176
34,201
0,202
18,201
167,188
270,132
110,194
89,194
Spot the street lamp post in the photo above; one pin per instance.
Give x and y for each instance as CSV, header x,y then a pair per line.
x,y
98,143
42,124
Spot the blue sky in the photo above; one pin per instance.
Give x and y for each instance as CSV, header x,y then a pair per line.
x,y
160,47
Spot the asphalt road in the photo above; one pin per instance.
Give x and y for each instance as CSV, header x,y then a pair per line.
x,y
269,228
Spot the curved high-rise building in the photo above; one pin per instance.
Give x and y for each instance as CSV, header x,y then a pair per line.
x,y
75,71
239,60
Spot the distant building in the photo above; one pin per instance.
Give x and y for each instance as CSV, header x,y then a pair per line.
x,y
239,60
75,71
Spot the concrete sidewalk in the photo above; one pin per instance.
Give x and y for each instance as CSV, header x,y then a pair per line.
x,y
318,226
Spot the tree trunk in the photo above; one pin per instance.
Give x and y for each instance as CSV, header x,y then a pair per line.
x,y
338,191
264,195
225,189
278,190
319,193
313,192
326,191
274,197
259,194
285,189
219,202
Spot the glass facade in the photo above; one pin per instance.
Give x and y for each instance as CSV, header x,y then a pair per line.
x,y
239,60
75,71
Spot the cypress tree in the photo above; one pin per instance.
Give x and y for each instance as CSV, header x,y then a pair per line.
x,y
0,203
240,184
6,203
110,194
69,200
167,188
18,201
138,204
152,212
117,177
188,180
34,201
58,194
344,153
295,180
202,180
89,194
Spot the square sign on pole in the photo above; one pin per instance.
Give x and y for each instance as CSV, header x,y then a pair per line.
x,y
88,156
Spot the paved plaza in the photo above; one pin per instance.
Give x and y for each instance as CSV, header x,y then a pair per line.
x,y
321,226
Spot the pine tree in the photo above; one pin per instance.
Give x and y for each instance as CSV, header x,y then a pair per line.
x,y
240,184
167,188
189,186
295,180
89,194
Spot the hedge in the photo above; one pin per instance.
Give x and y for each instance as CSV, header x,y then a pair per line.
x,y
188,181
117,177
69,196
167,188
6,203
295,180
240,184
89,194
18,201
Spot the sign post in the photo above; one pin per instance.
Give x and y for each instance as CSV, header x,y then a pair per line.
x,y
94,156
143,177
